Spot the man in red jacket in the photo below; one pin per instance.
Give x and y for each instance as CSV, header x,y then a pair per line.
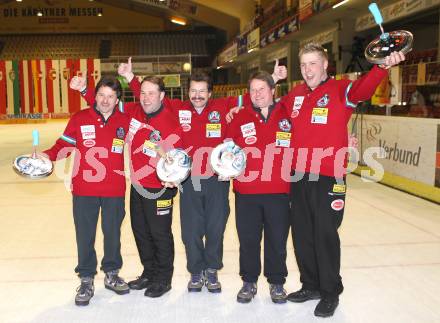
x,y
320,110
153,130
262,129
97,135
151,203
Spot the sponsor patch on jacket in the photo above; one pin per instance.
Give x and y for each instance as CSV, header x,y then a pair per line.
x,y
120,133
155,136
186,127
297,104
184,116
284,125
117,146
88,132
214,117
294,113
337,205
134,125
339,188
150,149
250,140
164,204
213,130
283,139
322,102
319,115
248,129
89,143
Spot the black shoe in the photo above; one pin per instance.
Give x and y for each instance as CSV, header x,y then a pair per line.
x,y
247,292
277,293
303,295
139,283
157,289
326,307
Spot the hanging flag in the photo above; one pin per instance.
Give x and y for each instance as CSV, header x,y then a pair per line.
x,y
53,86
37,104
70,100
12,87
3,87
25,77
91,68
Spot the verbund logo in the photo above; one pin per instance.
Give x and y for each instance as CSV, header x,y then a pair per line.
x,y
373,130
393,151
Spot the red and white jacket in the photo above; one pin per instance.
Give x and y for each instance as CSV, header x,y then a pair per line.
x,y
320,118
159,130
147,131
99,152
267,146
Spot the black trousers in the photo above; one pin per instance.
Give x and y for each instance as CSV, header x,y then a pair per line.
x,y
255,213
85,215
317,212
151,219
204,212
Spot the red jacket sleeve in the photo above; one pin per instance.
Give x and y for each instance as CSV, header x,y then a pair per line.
x,y
67,140
89,96
363,88
135,86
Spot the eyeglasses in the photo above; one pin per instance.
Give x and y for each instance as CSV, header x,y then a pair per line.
x,y
198,92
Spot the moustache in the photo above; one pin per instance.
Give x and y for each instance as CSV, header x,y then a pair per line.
x,y
198,98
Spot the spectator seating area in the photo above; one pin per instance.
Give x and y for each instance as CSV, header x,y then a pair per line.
x,y
85,45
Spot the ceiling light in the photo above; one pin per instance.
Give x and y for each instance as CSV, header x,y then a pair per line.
x,y
178,21
340,4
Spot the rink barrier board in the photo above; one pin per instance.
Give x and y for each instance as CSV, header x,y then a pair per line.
x,y
407,185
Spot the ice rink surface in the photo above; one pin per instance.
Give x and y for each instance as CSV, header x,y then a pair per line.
x,y
390,258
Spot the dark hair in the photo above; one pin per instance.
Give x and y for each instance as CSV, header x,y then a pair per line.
x,y
155,80
111,82
262,76
201,77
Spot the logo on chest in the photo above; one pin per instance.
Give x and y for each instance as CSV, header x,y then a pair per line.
x,y
155,136
322,102
214,117
120,133
284,125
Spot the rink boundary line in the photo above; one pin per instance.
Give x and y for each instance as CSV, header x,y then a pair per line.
x,y
421,190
